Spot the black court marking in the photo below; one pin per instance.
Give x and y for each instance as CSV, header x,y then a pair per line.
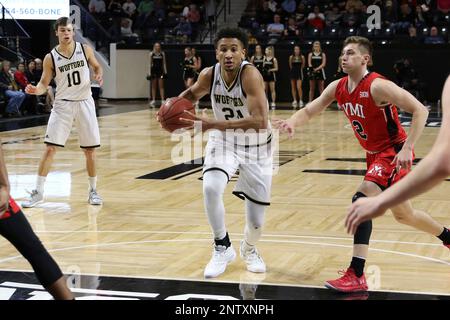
x,y
348,172
174,170
183,170
363,160
21,286
34,138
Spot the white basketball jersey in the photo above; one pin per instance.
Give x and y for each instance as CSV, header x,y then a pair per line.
x,y
72,75
230,103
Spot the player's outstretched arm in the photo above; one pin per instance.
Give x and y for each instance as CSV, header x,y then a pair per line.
x,y
93,62
47,75
4,184
313,108
429,172
384,91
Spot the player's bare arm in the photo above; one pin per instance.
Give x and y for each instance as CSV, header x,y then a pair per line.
x,y
4,184
253,86
93,62
384,91
312,109
200,88
47,76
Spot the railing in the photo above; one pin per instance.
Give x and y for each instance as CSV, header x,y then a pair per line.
x,y
90,27
221,11
11,36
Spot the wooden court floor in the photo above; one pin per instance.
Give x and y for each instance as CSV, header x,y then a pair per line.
x,y
157,228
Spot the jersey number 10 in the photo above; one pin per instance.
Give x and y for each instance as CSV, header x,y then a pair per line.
x,y
73,78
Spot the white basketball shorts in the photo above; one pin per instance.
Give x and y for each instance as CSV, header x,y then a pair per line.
x,y
255,165
64,113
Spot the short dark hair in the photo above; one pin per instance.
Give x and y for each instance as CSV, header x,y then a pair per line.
x,y
63,21
232,33
361,42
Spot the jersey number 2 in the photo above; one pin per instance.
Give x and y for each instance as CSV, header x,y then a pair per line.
x,y
73,78
359,129
231,113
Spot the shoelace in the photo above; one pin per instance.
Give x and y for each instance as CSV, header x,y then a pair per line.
x,y
253,255
344,273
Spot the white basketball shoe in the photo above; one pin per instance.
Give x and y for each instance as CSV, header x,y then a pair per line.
x,y
221,257
252,258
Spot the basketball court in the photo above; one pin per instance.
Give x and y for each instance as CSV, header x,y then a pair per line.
x,y
151,239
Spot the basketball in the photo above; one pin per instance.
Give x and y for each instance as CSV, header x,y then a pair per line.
x,y
172,110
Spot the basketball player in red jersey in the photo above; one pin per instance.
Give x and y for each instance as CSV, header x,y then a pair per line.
x,y
369,101
429,173
16,229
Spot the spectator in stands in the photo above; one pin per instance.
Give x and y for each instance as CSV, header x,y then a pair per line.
x,y
333,17
273,6
355,4
275,30
291,32
129,9
30,102
388,15
10,89
434,37
126,32
114,8
289,6
407,78
301,15
31,74
160,9
441,15
97,7
183,30
38,70
405,19
175,7
20,76
412,35
144,10
351,19
420,19
265,16
194,16
47,97
316,19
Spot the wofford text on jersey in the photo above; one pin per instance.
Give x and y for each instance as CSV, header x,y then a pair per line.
x,y
72,65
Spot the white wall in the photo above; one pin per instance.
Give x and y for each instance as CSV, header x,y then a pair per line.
x,y
125,77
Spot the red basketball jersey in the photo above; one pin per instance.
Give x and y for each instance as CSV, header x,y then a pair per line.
x,y
376,128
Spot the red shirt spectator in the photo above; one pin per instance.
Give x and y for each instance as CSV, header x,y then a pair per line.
x,y
20,76
316,18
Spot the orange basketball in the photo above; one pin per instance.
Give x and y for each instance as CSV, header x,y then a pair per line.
x,y
172,110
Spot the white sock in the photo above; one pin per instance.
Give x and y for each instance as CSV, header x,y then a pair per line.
x,y
93,183
40,181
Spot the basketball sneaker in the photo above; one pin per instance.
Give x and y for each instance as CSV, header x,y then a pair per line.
x,y
301,104
152,103
35,198
252,258
94,198
221,257
294,104
349,282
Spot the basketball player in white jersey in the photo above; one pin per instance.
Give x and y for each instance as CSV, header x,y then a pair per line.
x,y
240,139
68,63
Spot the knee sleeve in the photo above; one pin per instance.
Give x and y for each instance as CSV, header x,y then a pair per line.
x,y
255,219
214,183
17,230
364,230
